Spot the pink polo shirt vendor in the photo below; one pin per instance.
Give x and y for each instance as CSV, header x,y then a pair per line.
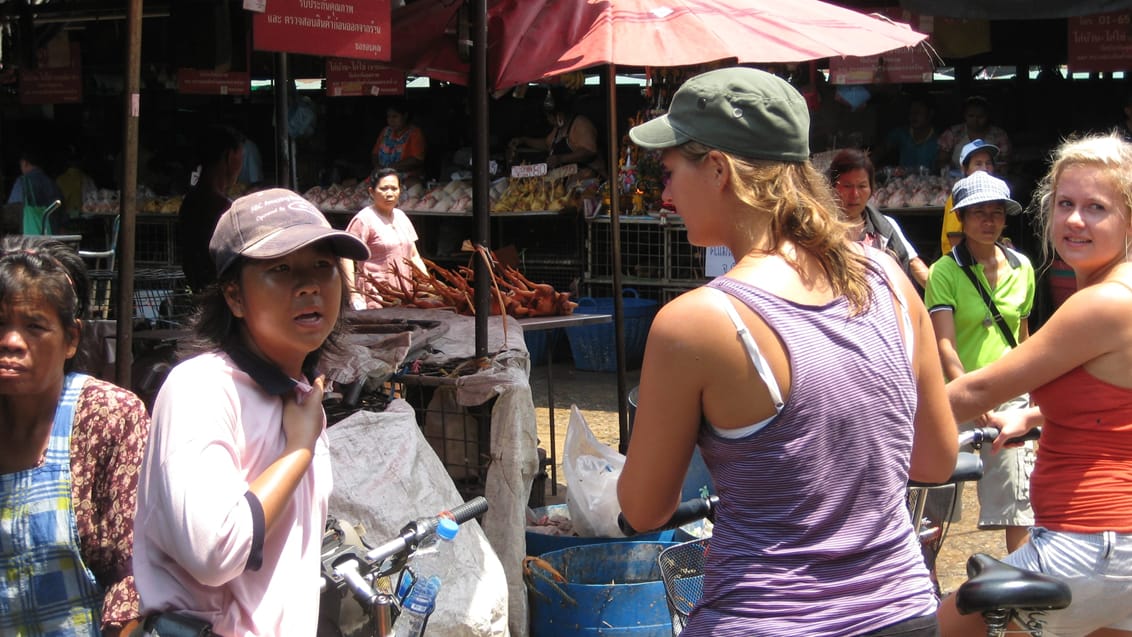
x,y
232,499
392,241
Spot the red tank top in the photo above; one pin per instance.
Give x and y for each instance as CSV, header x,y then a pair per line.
x,y
1082,481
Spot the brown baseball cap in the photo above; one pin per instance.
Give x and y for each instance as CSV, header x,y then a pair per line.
x,y
271,223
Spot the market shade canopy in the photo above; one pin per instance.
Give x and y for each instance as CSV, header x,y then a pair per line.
x,y
529,40
539,38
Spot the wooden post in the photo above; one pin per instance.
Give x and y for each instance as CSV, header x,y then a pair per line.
x,y
126,235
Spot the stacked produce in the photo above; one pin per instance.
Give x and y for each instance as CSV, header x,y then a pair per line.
x,y
913,191
454,197
106,201
340,198
536,193
512,293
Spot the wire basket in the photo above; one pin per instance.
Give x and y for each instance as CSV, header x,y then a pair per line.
x,y
682,570
162,297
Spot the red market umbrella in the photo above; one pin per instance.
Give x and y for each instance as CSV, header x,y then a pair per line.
x,y
532,39
529,40
425,40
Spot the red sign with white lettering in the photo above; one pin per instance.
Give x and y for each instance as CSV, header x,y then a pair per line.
x,y
905,66
61,85
1101,42
352,78
57,78
201,82
357,29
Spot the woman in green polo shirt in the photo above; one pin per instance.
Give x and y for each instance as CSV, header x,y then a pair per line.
x,y
980,295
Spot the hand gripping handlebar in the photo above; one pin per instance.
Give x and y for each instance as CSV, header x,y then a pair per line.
x,y
687,511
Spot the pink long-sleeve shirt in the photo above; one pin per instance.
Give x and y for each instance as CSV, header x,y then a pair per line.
x,y
200,545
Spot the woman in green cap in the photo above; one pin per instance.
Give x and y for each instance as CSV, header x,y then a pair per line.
x,y
807,375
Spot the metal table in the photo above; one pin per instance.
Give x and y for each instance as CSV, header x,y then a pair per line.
x,y
555,324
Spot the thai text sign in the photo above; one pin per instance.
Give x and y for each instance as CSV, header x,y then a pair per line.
x,y
1100,42
905,66
57,78
201,82
331,28
351,78
61,85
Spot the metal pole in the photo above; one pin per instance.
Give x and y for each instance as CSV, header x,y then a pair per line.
x,y
283,166
124,357
615,238
480,185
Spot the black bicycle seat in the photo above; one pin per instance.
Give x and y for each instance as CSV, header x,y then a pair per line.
x,y
992,585
968,467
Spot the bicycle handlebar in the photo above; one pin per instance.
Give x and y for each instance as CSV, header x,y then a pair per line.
x,y
348,566
416,531
687,511
982,435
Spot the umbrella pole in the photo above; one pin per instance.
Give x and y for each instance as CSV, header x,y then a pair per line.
x,y
480,185
615,239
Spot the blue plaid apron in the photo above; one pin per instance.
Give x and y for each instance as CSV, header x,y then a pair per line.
x,y
46,589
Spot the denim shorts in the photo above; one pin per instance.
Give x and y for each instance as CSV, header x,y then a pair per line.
x,y
1098,569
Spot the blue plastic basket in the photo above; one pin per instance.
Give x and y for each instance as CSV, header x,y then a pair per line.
x,y
594,346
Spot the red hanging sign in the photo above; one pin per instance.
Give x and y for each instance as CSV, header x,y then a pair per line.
x,y
58,78
202,82
905,66
353,78
1100,42
51,86
330,28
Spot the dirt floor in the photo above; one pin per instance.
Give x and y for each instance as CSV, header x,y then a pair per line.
x,y
595,394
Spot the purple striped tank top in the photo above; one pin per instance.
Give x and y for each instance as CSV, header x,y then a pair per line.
x,y
813,535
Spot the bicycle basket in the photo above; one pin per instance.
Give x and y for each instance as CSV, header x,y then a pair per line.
x,y
682,571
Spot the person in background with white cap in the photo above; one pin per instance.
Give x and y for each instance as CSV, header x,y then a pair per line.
x,y
1078,371
812,535
977,155
980,296
233,493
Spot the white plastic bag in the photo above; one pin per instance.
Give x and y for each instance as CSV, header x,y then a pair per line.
x,y
592,469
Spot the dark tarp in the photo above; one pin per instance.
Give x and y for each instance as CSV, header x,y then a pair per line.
x,y
1014,9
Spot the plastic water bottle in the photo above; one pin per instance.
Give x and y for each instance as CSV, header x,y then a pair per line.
x,y
422,598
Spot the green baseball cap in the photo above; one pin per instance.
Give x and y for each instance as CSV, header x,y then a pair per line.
x,y
746,112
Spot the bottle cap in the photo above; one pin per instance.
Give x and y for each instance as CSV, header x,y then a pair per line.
x,y
446,529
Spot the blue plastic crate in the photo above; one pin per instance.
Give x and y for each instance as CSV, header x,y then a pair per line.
x,y
594,346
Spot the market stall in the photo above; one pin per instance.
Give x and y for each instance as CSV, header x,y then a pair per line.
x,y
528,43
498,460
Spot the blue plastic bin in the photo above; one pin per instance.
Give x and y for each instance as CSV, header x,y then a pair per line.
x,y
594,346
610,589
540,543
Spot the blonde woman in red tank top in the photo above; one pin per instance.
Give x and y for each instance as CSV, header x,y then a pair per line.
x,y
1078,370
